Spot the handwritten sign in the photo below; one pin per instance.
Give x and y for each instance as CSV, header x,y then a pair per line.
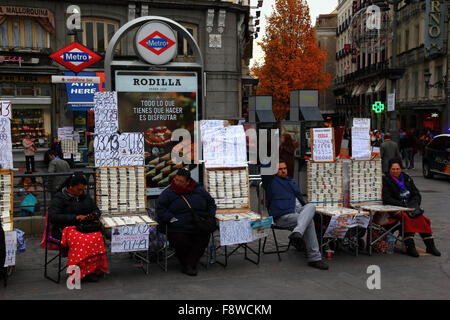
x,y
131,149
11,248
5,109
106,150
361,122
130,238
106,113
235,232
6,157
322,144
361,143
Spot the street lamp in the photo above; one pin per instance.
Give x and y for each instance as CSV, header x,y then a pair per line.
x,y
439,84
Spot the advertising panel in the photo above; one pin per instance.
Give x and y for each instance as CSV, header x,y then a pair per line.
x,y
157,103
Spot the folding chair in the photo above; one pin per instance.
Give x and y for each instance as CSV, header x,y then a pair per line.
x,y
386,229
51,243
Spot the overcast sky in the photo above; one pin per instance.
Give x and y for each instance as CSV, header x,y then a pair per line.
x,y
316,7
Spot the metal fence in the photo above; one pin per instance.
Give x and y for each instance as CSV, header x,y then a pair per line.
x,y
41,186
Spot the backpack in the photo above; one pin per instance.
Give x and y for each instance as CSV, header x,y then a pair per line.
x,y
157,239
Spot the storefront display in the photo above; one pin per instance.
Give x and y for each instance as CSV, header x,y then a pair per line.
x,y
32,122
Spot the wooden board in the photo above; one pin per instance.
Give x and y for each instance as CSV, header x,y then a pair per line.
x,y
8,173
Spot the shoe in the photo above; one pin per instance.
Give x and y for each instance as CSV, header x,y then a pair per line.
x,y
91,278
300,245
411,248
431,248
295,236
189,270
318,265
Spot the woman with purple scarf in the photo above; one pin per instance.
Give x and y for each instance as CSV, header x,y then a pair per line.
x,y
399,190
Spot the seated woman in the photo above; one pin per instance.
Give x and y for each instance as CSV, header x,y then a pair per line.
x,y
173,211
399,190
69,207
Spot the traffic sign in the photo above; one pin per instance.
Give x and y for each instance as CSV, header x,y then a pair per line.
x,y
75,57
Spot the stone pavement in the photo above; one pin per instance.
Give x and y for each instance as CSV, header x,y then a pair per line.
x,y
402,277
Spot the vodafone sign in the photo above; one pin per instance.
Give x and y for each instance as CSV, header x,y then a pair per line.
x,y
156,43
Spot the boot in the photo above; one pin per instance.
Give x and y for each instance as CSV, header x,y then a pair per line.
x,y
411,248
431,248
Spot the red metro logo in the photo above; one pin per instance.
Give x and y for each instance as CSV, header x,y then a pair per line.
x,y
157,43
75,57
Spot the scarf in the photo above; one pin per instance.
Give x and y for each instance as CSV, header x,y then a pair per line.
x,y
400,183
182,190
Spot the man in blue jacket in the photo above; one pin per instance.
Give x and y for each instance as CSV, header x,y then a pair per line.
x,y
290,211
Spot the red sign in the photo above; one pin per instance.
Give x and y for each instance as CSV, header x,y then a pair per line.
x,y
75,57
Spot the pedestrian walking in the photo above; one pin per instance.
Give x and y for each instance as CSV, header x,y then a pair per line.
x,y
29,151
389,150
57,165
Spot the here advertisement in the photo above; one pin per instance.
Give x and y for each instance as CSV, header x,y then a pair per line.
x,y
156,104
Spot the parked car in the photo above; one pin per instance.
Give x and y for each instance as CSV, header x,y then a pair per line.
x,y
436,156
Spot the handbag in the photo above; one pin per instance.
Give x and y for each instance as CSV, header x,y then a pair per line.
x,y
203,221
416,213
89,226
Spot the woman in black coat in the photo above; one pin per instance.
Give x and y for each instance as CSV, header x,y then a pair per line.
x,y
174,213
399,190
68,208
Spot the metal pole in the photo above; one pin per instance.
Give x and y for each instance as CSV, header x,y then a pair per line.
x,y
393,128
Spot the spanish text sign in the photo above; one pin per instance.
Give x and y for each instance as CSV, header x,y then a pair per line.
x,y
130,238
322,144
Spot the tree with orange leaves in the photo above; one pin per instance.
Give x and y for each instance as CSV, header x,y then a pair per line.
x,y
293,60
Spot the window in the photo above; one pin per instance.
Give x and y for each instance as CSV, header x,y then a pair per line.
x,y
417,34
23,33
437,144
427,91
184,50
416,84
98,32
406,40
438,79
406,82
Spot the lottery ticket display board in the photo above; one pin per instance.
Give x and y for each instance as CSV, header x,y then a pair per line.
x,y
121,189
325,184
365,182
6,199
230,189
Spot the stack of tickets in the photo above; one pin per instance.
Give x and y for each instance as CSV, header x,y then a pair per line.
x,y
5,201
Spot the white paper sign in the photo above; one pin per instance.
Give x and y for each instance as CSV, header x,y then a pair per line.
x,y
11,248
261,229
130,238
361,122
235,232
6,157
391,102
361,143
5,109
131,149
323,148
106,112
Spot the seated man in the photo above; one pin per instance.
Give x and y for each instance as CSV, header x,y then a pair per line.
x,y
282,193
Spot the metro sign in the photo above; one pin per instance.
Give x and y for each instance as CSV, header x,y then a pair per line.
x,y
75,57
157,43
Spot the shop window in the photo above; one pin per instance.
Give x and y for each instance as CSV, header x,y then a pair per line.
x,y
23,33
7,90
97,33
25,90
32,121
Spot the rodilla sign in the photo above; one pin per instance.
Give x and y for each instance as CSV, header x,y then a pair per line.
x,y
75,57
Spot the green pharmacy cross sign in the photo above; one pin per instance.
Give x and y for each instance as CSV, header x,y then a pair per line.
x,y
378,107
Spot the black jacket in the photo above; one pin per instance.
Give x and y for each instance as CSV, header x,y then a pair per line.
x,y
171,205
391,192
64,209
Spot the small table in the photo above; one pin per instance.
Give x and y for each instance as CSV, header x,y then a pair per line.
x,y
237,216
128,219
334,211
380,208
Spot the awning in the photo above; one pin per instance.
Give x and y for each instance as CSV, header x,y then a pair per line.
x,y
361,90
311,114
381,84
369,90
354,91
265,116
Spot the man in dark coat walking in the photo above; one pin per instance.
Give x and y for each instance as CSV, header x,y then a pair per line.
x,y
389,150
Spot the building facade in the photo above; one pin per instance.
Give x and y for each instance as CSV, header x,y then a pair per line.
x,y
326,25
30,31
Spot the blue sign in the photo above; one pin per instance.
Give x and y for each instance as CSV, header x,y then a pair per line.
x,y
76,56
80,95
157,43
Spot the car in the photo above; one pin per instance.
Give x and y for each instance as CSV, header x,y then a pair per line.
x,y
436,156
